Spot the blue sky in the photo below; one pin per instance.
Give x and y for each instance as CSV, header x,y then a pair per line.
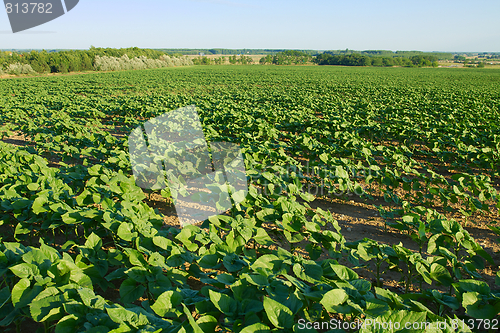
x,y
439,25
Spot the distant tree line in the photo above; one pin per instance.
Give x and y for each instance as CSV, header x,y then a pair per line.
x,y
79,60
272,52
356,59
474,62
233,60
64,61
237,52
290,57
391,54
485,55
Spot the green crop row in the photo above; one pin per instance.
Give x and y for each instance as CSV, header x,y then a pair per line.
x,y
83,250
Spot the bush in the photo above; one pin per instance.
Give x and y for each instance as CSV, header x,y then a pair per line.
x,y
106,63
19,68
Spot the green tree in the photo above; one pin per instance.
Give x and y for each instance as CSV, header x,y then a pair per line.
x,y
387,62
86,62
377,61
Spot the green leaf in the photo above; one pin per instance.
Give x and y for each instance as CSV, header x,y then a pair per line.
x,y
5,296
207,323
405,318
334,298
167,301
440,274
67,324
138,274
376,308
209,261
47,306
49,252
20,290
233,263
256,328
33,186
474,307
307,196
21,204
136,258
134,316
475,285
269,262
257,279
279,315
224,303
262,237
226,279
185,237
469,298
130,291
125,231
25,270
162,242
37,206
93,242
344,273
252,305
308,272
196,328
238,196
70,218
90,299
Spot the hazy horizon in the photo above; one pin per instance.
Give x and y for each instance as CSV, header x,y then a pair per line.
x,y
447,26
250,49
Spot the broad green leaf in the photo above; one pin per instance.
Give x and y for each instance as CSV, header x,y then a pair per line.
x,y
21,290
90,299
47,306
207,323
162,242
196,328
167,301
93,242
279,315
130,291
25,270
344,273
375,308
440,274
308,272
334,298
37,206
208,261
256,328
125,231
224,303
67,324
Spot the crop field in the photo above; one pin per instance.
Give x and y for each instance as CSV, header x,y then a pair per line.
x,y
373,203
